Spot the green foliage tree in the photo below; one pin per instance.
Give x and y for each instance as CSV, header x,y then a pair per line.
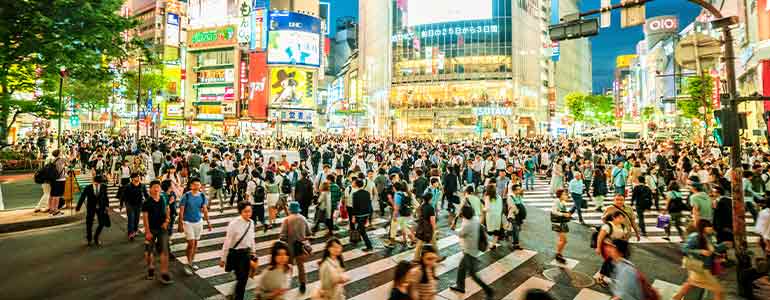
x,y
575,102
49,34
91,94
602,109
152,79
699,105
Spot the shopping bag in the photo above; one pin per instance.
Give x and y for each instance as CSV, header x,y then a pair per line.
x,y
663,221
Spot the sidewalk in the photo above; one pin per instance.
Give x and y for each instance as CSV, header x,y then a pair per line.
x,y
25,219
19,191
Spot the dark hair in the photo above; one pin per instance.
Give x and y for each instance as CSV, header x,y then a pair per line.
x,y
99,179
427,248
195,179
359,183
242,205
418,172
402,268
327,255
469,189
702,239
622,247
433,180
134,175
427,197
615,214
165,185
641,179
491,192
467,212
278,246
559,192
154,182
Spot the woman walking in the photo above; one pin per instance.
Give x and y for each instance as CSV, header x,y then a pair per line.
x,y
401,286
331,273
557,176
274,280
273,194
493,208
422,278
560,216
701,252
613,230
599,185
674,207
238,248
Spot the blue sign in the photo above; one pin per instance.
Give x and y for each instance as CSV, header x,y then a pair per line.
x,y
172,19
149,99
286,20
556,48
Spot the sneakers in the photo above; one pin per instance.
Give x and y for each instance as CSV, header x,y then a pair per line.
x,y
560,259
188,270
457,289
166,279
195,267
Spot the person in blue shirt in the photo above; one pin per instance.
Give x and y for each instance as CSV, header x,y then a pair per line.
x,y
619,178
576,188
191,207
627,285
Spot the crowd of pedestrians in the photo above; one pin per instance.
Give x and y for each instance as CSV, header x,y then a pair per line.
x,y
340,182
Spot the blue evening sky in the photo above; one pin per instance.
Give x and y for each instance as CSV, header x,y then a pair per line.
x,y
610,42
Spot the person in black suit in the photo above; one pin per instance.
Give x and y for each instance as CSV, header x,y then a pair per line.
x,y
303,193
362,210
96,206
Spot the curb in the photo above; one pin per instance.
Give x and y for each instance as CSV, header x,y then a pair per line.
x,y
36,224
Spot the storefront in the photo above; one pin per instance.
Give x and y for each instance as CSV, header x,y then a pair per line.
x,y
213,61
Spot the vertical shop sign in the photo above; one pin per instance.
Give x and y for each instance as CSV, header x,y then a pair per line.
x,y
257,78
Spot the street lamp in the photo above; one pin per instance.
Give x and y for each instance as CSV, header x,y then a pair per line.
x,y
62,74
138,98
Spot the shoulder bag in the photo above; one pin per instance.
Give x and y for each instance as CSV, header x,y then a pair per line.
x,y
237,257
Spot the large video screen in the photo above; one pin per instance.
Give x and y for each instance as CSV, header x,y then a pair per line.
x,y
294,48
421,12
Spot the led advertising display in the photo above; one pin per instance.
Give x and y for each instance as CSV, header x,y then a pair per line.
x,y
421,12
291,88
257,85
294,48
285,20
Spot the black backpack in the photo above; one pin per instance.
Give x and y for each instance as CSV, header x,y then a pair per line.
x,y
483,241
47,173
286,185
405,210
241,184
259,194
595,235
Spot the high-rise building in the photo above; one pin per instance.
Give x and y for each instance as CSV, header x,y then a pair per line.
x,y
454,68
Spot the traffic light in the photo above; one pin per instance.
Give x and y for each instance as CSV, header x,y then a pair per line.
x,y
574,29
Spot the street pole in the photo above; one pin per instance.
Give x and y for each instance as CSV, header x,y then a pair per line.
x,y
138,99
61,108
739,211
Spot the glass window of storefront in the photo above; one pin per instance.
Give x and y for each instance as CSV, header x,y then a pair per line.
x,y
214,58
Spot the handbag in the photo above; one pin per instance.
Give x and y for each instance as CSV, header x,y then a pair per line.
x,y
557,218
237,256
663,221
298,247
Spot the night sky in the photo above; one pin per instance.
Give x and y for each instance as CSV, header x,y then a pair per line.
x,y
610,42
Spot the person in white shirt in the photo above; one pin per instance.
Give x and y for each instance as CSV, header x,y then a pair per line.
x,y
157,160
240,238
762,228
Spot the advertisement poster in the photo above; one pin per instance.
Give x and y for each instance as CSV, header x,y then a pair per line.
x,y
291,87
172,30
229,108
212,37
258,41
285,20
257,85
174,110
294,47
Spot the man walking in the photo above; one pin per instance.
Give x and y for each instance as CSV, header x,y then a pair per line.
x,y
132,196
95,196
303,193
469,237
576,188
295,230
362,210
156,217
192,205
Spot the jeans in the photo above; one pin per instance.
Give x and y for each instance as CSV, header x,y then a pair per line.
x,y
676,220
299,261
640,219
361,228
515,228
133,213
469,265
576,206
529,180
258,213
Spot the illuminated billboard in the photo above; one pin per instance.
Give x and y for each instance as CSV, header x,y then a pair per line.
x,y
294,48
291,87
420,12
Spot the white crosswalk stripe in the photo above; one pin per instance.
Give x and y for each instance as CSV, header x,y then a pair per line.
x,y
370,273
540,197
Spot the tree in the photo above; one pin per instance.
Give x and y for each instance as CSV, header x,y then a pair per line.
x,y
699,105
152,79
91,94
40,36
602,108
575,102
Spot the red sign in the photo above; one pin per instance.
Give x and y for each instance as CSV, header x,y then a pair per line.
x,y
258,85
716,92
244,79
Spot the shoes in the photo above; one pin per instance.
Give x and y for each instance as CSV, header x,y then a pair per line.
x,y
368,249
195,267
517,247
560,259
166,279
457,289
188,270
302,288
150,274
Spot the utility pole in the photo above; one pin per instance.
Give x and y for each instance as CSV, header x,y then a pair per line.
x,y
62,74
138,99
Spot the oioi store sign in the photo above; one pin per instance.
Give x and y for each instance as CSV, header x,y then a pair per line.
x,y
213,37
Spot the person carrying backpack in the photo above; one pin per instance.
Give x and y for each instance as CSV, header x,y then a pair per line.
x,y
613,229
629,282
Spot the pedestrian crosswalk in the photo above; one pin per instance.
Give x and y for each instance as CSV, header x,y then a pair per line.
x,y
509,272
541,197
